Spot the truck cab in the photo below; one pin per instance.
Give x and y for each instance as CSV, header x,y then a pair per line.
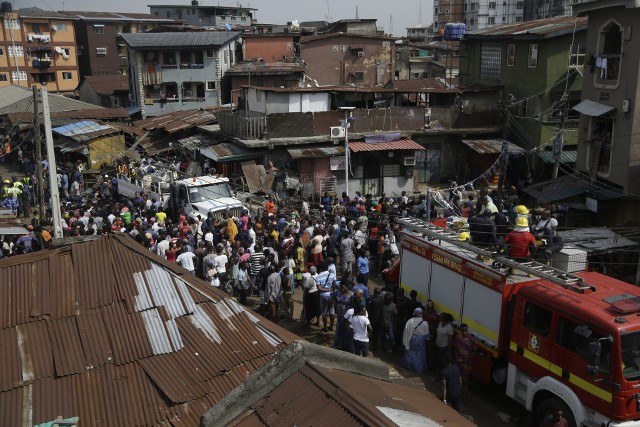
x,y
201,195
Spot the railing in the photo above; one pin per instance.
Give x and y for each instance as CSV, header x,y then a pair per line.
x,y
252,126
191,66
169,66
193,99
41,63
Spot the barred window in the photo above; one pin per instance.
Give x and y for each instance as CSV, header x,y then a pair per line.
x,y
490,61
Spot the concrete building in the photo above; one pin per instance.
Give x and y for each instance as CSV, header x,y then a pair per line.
x,y
476,15
445,11
221,17
353,59
96,33
106,91
542,9
419,33
270,47
39,48
263,74
177,71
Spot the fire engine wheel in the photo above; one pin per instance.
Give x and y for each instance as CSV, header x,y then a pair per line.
x,y
546,408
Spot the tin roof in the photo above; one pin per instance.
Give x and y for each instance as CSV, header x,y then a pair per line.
x,y
596,240
180,120
492,146
10,226
566,156
541,28
178,40
400,144
271,68
228,151
96,113
117,16
105,330
18,99
426,85
36,12
108,85
568,186
316,152
85,131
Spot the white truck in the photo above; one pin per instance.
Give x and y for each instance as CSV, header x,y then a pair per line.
x,y
553,339
197,196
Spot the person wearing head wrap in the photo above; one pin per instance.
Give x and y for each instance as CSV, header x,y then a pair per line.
x,y
414,339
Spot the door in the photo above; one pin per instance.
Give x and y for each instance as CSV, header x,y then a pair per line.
x,y
531,337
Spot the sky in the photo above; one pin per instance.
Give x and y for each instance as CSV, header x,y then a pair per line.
x,y
405,13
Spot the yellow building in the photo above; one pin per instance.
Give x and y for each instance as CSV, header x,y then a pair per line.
x,y
38,47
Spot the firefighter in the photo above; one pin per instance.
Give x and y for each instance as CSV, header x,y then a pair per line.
x,y
464,236
14,198
522,244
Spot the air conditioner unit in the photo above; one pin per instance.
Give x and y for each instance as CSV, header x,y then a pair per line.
x,y
410,161
361,53
337,132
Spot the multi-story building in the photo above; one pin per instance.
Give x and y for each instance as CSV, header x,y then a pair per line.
x,y
475,14
419,33
221,17
357,59
542,9
176,71
96,34
609,137
38,48
445,11
538,64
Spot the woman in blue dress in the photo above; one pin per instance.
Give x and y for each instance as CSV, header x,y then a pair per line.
x,y
343,339
414,339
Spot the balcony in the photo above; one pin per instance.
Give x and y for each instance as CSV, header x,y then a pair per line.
x,y
609,74
41,63
39,38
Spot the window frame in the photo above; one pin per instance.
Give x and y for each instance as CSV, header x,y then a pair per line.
x,y
4,77
531,61
98,29
67,73
544,332
212,51
206,85
511,55
577,58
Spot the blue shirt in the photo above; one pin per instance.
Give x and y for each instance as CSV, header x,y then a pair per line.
x,y
325,279
363,265
363,288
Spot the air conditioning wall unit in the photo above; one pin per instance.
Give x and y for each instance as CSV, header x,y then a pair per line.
x,y
337,132
410,161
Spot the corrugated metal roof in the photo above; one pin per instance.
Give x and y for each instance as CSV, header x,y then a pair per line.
x,y
256,67
401,144
95,113
316,152
228,151
592,108
565,157
427,85
492,146
108,85
11,226
568,186
85,131
541,28
176,40
18,99
596,240
105,330
117,16
180,120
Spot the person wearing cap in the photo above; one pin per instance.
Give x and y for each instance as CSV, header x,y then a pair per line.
x,y
414,338
521,241
24,244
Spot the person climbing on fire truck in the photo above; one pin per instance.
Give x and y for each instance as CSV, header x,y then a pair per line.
x,y
522,244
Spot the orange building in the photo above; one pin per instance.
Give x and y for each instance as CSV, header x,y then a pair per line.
x,y
38,48
269,47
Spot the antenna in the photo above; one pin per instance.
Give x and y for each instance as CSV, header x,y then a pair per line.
x,y
420,13
390,24
357,15
328,12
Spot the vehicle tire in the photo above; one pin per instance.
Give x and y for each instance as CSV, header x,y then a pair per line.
x,y
545,408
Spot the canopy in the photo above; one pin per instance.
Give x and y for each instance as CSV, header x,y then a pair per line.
x,y
592,108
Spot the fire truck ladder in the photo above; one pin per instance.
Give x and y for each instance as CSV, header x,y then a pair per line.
x,y
534,268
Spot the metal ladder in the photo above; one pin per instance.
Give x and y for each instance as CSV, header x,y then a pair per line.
x,y
535,268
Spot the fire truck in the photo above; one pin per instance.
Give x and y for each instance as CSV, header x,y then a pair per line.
x,y
553,339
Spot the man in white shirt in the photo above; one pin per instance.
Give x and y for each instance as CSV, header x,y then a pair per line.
x,y
546,222
187,260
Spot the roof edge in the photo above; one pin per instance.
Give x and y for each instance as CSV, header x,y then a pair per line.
x,y
283,365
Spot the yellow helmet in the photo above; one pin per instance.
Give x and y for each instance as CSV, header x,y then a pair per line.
x,y
521,210
522,222
7,181
464,236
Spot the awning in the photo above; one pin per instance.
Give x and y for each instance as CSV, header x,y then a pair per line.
x,y
401,144
316,153
492,146
565,157
592,108
568,186
227,152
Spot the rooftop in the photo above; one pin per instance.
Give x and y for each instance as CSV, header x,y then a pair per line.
x,y
200,6
108,85
307,39
105,330
36,12
116,16
258,67
179,120
18,99
179,40
539,29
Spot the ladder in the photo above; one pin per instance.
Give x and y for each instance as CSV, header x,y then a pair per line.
x,y
535,268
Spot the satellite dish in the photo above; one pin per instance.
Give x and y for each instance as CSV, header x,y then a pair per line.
x,y
58,49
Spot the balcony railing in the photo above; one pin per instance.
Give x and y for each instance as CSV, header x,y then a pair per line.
x,y
41,63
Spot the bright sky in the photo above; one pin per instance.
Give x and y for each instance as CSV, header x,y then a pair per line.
x,y
405,13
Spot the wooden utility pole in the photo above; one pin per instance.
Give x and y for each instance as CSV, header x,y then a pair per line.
x,y
38,144
51,158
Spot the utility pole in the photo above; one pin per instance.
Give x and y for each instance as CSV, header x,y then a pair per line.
x,y
558,142
51,158
347,112
38,144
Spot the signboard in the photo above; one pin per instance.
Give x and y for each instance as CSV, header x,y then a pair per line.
x,y
337,163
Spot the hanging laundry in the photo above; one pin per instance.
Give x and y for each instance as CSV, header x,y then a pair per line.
x,y
603,68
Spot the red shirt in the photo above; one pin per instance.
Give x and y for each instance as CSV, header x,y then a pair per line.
x,y
271,207
520,241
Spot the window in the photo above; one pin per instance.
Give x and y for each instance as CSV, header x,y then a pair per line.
x,y
537,319
533,55
466,7
12,24
511,55
258,96
518,18
491,20
68,75
59,27
391,170
1,51
209,53
490,61
474,6
3,77
65,51
98,29
336,48
35,28
226,57
520,5
101,51
576,338
599,145
356,77
18,75
440,9
103,72
386,43
123,71
492,5
609,53
15,51
578,51
504,19
211,85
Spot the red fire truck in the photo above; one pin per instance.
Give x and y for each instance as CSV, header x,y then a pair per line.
x,y
554,339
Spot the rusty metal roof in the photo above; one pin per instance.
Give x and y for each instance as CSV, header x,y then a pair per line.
x,y
316,152
180,120
541,28
256,67
400,144
105,330
323,396
492,146
427,85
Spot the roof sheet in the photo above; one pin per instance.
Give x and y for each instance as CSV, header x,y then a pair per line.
x,y
592,108
17,99
180,120
96,113
565,157
541,28
568,186
228,151
117,16
106,330
182,39
426,85
36,12
596,240
401,144
256,67
316,152
85,130
108,85
492,146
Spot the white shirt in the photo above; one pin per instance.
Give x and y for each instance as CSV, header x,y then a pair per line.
x,y
542,224
162,247
185,259
221,263
359,325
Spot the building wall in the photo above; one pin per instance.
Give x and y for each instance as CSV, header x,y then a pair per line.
x,y
102,150
270,48
60,74
207,16
625,149
330,61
